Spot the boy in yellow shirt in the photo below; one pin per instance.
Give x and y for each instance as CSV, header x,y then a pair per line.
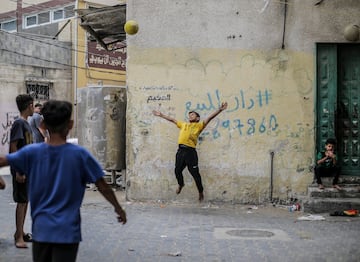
x,y
186,155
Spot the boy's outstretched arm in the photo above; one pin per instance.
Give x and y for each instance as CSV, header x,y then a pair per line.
x,y
2,183
168,118
214,114
109,195
3,162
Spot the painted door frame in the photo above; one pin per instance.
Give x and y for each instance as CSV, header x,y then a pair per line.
x,y
338,86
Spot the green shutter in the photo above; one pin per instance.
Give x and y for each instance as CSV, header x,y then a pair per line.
x,y
326,93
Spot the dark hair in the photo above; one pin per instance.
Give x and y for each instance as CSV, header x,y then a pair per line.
x,y
57,115
196,113
23,101
331,141
38,105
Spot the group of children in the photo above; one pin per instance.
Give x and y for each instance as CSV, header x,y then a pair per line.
x,y
53,175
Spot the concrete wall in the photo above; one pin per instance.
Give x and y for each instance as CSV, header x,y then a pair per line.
x,y
195,54
27,58
101,124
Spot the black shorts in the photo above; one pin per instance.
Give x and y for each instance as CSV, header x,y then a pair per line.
x,y
19,191
56,252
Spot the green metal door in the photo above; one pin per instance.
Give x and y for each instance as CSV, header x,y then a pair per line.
x,y
338,99
326,93
348,108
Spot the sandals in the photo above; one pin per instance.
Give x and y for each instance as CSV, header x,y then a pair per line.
x,y
23,245
28,237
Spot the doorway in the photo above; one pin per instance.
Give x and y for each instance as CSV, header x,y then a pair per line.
x,y
337,102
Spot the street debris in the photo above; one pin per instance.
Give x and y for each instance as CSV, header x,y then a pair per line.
x,y
311,218
350,213
295,207
175,254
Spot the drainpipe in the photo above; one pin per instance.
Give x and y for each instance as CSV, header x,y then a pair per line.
x,y
284,25
271,174
75,48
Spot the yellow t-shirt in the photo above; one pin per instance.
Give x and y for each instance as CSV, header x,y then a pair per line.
x,y
189,132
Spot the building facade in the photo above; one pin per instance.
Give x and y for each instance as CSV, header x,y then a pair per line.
x,y
290,76
288,69
46,37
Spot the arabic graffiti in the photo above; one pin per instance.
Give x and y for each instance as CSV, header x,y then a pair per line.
x,y
159,98
161,88
101,58
6,126
243,101
262,98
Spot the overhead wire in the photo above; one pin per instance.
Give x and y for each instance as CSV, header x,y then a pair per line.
x,y
34,38
56,45
59,63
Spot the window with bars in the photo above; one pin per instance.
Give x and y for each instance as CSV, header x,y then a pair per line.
x,y
38,90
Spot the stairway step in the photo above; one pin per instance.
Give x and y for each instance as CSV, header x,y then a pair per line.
x,y
329,205
348,191
349,180
342,180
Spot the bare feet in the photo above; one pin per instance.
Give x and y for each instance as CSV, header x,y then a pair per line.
x,y
321,187
201,197
178,190
20,243
337,187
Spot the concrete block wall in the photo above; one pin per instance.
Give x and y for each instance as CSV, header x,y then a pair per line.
x,y
25,58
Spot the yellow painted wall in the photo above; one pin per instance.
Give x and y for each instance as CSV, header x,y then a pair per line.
x,y
270,96
194,54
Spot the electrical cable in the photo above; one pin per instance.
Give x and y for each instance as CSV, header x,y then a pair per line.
x,y
59,63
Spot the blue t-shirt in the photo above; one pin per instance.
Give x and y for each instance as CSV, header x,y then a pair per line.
x,y
57,178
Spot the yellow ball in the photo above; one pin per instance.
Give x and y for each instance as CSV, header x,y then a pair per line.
x,y
131,27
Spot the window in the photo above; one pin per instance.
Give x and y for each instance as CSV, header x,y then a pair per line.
x,y
31,21
9,26
69,11
64,13
58,14
50,16
38,90
44,18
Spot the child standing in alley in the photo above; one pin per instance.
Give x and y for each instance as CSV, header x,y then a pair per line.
x,y
57,174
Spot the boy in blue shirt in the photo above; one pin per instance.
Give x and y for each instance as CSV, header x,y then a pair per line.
x,y
57,173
